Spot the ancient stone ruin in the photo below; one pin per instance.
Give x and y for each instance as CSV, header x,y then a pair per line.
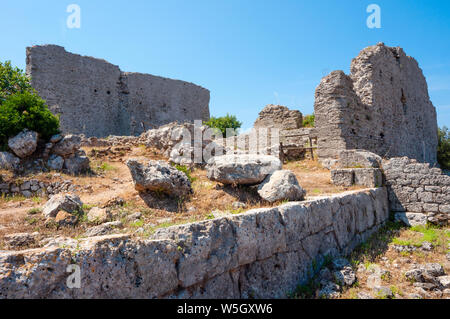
x,y
377,133
382,107
95,98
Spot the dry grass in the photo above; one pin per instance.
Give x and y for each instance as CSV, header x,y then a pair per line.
x,y
315,179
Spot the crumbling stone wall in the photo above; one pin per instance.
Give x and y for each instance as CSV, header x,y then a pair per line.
x,y
95,98
264,253
417,192
383,106
278,116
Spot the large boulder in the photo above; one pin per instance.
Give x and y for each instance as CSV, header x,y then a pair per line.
x,y
66,202
24,143
8,161
77,164
245,169
67,146
159,176
281,185
55,163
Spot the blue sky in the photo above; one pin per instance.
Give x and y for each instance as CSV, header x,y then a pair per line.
x,y
247,53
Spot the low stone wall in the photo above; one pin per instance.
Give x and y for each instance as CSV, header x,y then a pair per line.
x,y
417,191
34,187
264,253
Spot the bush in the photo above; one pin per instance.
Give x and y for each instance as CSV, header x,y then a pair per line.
x,y
26,110
443,152
12,81
224,122
308,120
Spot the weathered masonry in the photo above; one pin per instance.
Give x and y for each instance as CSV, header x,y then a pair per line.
x,y
383,107
263,253
95,98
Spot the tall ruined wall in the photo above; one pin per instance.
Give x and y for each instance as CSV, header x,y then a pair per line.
x,y
264,253
383,106
95,98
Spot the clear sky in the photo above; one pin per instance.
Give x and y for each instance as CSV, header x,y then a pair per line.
x,y
248,53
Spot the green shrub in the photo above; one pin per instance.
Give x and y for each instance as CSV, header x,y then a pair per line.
x,y
12,81
443,152
26,110
186,170
308,120
224,122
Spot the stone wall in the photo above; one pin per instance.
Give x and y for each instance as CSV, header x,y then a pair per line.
x,y
383,106
417,191
278,116
264,253
95,98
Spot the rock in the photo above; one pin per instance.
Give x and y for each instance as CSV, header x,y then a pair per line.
x,y
325,275
444,281
55,163
427,246
369,177
23,144
383,292
218,213
27,194
447,256
358,159
364,295
446,293
102,229
281,185
238,205
56,138
158,176
8,161
425,285
329,291
77,165
345,276
421,292
244,169
135,216
433,269
59,241
411,219
67,202
14,241
67,146
425,273
65,219
99,215
340,263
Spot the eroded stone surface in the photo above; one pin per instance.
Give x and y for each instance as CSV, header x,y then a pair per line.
x,y
281,185
24,143
159,176
243,169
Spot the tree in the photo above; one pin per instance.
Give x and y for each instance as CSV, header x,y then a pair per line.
x,y
308,120
443,152
224,122
12,81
